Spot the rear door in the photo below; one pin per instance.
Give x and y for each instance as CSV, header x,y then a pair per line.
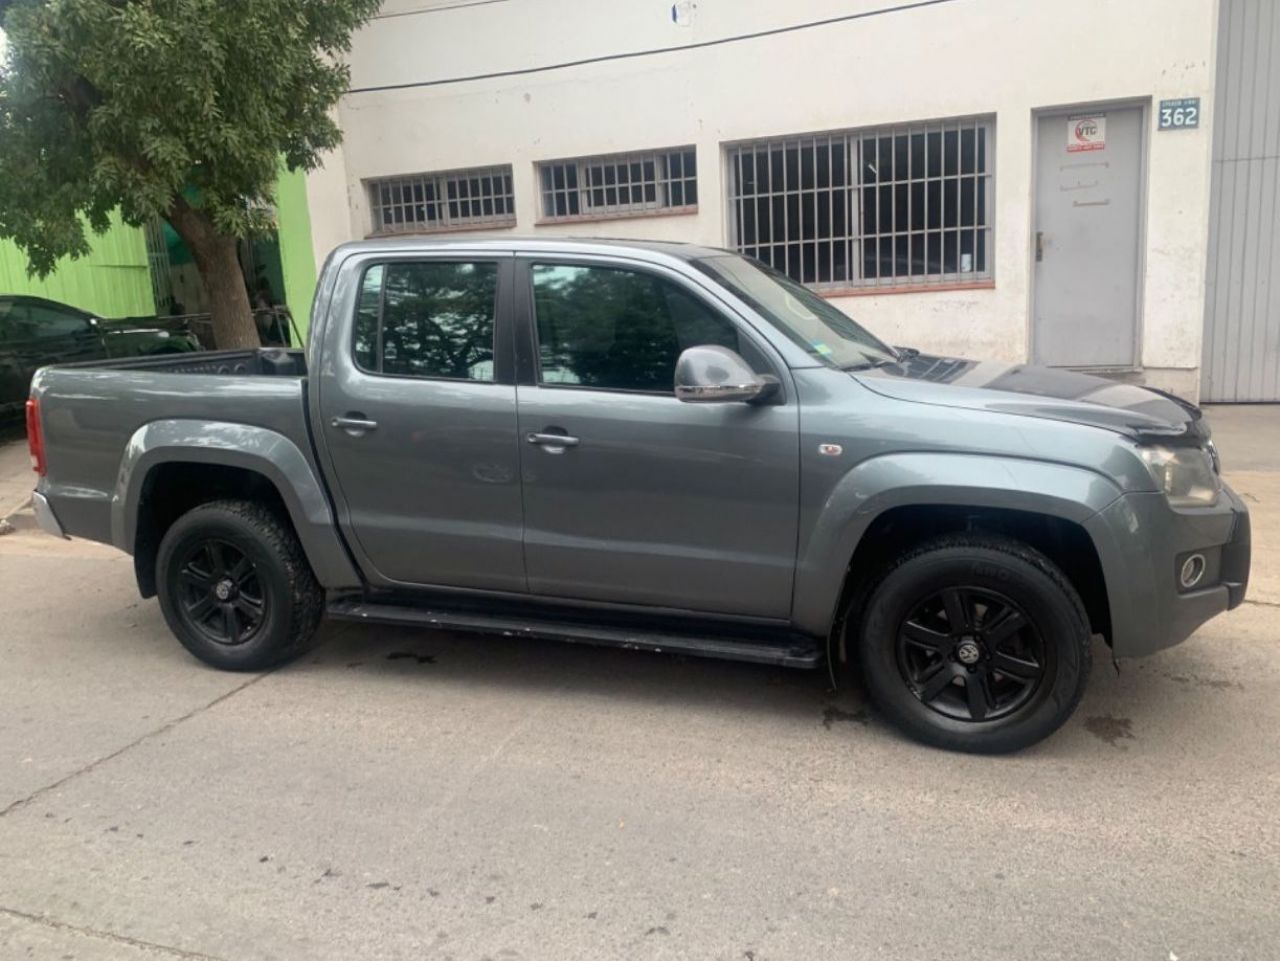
x,y
651,501
417,413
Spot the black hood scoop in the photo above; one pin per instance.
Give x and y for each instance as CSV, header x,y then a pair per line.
x,y
1143,413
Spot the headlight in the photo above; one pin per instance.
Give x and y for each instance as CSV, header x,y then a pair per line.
x,y
1184,474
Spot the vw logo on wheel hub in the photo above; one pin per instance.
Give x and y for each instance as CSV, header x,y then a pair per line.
x,y
223,590
968,652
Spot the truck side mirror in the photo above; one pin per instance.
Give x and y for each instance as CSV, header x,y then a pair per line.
x,y
710,374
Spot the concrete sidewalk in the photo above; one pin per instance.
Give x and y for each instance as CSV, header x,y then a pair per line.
x,y
1247,434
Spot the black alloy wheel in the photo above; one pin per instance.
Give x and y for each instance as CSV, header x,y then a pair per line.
x,y
972,642
235,586
220,594
971,653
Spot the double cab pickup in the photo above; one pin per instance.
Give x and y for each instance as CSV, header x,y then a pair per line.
x,y
654,446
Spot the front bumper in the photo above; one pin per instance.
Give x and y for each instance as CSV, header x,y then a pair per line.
x,y
1141,543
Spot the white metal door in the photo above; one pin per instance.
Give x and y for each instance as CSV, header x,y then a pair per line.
x,y
1087,237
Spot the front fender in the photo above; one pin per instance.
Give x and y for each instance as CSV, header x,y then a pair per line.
x,y
258,449
837,524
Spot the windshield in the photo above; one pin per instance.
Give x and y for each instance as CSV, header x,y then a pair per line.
x,y
824,331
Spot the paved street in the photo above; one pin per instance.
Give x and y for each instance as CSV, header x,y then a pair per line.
x,y
402,794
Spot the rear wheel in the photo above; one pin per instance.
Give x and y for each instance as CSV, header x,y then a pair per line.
x,y
235,586
975,644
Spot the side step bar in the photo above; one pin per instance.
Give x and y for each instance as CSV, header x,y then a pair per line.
x,y
795,652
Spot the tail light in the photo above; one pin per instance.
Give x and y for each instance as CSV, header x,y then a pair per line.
x,y
35,437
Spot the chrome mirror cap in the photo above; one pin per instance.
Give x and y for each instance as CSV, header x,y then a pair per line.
x,y
710,374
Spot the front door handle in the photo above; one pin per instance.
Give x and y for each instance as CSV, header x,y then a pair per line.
x,y
553,443
354,424
1039,246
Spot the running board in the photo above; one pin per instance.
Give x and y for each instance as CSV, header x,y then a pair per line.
x,y
792,652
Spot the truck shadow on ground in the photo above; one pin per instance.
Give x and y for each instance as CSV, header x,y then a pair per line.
x,y
1148,707
1158,706
489,660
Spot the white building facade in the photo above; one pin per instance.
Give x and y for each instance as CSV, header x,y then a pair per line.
x,y
1027,180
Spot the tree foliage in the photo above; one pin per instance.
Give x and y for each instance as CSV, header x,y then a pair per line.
x,y
160,108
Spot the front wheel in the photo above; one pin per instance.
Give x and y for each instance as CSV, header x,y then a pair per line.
x,y
235,586
975,644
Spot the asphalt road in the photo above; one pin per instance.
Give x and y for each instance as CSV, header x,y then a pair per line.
x,y
417,795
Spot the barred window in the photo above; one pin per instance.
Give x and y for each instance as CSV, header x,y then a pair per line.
x,y
619,184
903,205
441,201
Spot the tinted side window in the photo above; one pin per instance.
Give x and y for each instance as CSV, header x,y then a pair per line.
x,y
618,329
368,311
10,317
427,320
51,322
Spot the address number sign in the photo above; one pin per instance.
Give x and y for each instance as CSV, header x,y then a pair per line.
x,y
1179,114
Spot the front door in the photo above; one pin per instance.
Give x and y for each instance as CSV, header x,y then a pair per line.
x,y
418,421
1087,237
649,500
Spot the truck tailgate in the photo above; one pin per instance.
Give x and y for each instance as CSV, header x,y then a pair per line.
x,y
92,413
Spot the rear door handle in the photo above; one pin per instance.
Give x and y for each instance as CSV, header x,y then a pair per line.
x,y
554,443
353,424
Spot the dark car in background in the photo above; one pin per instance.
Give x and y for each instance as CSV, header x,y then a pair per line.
x,y
35,332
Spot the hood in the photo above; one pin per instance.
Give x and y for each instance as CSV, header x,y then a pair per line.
x,y
1141,413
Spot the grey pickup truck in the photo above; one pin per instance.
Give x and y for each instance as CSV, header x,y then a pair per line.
x,y
659,447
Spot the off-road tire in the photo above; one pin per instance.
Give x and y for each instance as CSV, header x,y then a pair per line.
x,y
293,599
986,563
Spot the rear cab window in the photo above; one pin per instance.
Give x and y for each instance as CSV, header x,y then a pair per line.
x,y
429,319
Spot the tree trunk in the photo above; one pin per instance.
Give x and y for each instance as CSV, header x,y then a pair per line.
x,y
215,257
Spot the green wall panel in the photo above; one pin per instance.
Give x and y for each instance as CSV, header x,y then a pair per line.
x,y
297,259
112,280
